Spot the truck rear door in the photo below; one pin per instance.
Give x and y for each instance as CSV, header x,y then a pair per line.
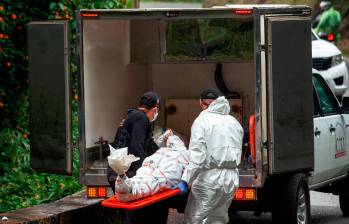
x,y
290,97
50,94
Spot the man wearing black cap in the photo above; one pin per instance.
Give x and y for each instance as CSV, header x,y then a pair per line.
x,y
214,155
135,133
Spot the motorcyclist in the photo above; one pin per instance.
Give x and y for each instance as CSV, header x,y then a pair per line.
x,y
330,20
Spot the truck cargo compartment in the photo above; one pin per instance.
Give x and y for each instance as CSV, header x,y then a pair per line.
x,y
124,58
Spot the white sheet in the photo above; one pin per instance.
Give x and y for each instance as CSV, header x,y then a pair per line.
x,y
159,172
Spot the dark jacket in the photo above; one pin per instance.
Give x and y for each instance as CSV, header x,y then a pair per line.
x,y
135,133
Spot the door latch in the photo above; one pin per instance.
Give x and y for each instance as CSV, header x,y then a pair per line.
x,y
332,128
317,132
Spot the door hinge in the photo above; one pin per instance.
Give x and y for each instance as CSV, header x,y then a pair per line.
x,y
261,47
265,145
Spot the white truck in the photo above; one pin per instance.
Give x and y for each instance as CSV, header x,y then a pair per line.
x,y
258,56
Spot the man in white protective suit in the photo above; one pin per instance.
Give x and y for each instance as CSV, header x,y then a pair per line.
x,y
214,155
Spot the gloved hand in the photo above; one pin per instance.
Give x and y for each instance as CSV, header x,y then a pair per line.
x,y
183,187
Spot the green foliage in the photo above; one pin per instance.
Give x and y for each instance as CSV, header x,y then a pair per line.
x,y
209,39
20,185
23,187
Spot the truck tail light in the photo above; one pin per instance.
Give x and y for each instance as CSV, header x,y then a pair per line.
x,y
252,127
91,15
245,194
330,37
96,192
243,11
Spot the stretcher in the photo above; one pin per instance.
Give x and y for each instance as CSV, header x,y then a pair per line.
x,y
113,202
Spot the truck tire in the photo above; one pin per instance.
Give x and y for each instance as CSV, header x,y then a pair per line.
x,y
291,200
344,197
344,203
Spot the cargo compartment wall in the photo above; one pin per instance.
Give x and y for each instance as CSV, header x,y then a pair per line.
x,y
111,84
186,81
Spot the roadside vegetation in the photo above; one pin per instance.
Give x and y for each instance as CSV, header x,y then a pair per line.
x,y
20,185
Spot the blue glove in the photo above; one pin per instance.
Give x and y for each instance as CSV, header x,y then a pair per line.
x,y
183,187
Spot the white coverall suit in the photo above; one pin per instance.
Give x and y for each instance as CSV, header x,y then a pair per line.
x,y
214,154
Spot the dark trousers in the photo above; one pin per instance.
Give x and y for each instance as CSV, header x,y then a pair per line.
x,y
155,213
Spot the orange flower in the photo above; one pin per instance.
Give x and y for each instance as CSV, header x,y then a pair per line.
x,y
62,186
6,36
1,104
25,136
1,35
1,19
14,16
8,64
1,8
76,98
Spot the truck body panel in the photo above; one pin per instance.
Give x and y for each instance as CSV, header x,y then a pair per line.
x,y
290,94
50,97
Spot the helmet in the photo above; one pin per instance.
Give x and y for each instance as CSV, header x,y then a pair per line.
x,y
325,4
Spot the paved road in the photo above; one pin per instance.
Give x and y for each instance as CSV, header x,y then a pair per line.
x,y
324,209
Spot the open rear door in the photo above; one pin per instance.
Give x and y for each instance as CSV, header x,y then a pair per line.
x,y
290,94
50,97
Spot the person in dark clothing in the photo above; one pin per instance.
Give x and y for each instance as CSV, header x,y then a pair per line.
x,y
135,133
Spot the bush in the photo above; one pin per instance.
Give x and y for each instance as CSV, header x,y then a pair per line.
x,y
20,185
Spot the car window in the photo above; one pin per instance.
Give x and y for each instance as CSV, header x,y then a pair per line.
x,y
326,98
313,37
316,104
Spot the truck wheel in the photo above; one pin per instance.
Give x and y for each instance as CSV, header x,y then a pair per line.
x,y
344,203
291,202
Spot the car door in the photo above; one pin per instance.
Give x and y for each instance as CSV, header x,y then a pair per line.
x,y
322,143
331,155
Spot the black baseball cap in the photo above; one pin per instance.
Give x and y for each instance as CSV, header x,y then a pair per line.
x,y
150,100
209,94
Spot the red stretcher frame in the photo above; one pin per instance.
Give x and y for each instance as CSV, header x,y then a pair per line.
x,y
113,202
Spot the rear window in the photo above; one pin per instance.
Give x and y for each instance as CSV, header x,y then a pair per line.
x,y
209,39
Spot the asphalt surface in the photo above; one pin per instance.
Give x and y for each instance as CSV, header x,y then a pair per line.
x,y
324,210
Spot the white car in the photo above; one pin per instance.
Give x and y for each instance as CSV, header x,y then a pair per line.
x,y
328,62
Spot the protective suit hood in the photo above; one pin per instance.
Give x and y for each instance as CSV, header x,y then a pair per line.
x,y
219,106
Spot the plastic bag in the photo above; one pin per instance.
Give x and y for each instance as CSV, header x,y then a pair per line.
x,y
119,161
